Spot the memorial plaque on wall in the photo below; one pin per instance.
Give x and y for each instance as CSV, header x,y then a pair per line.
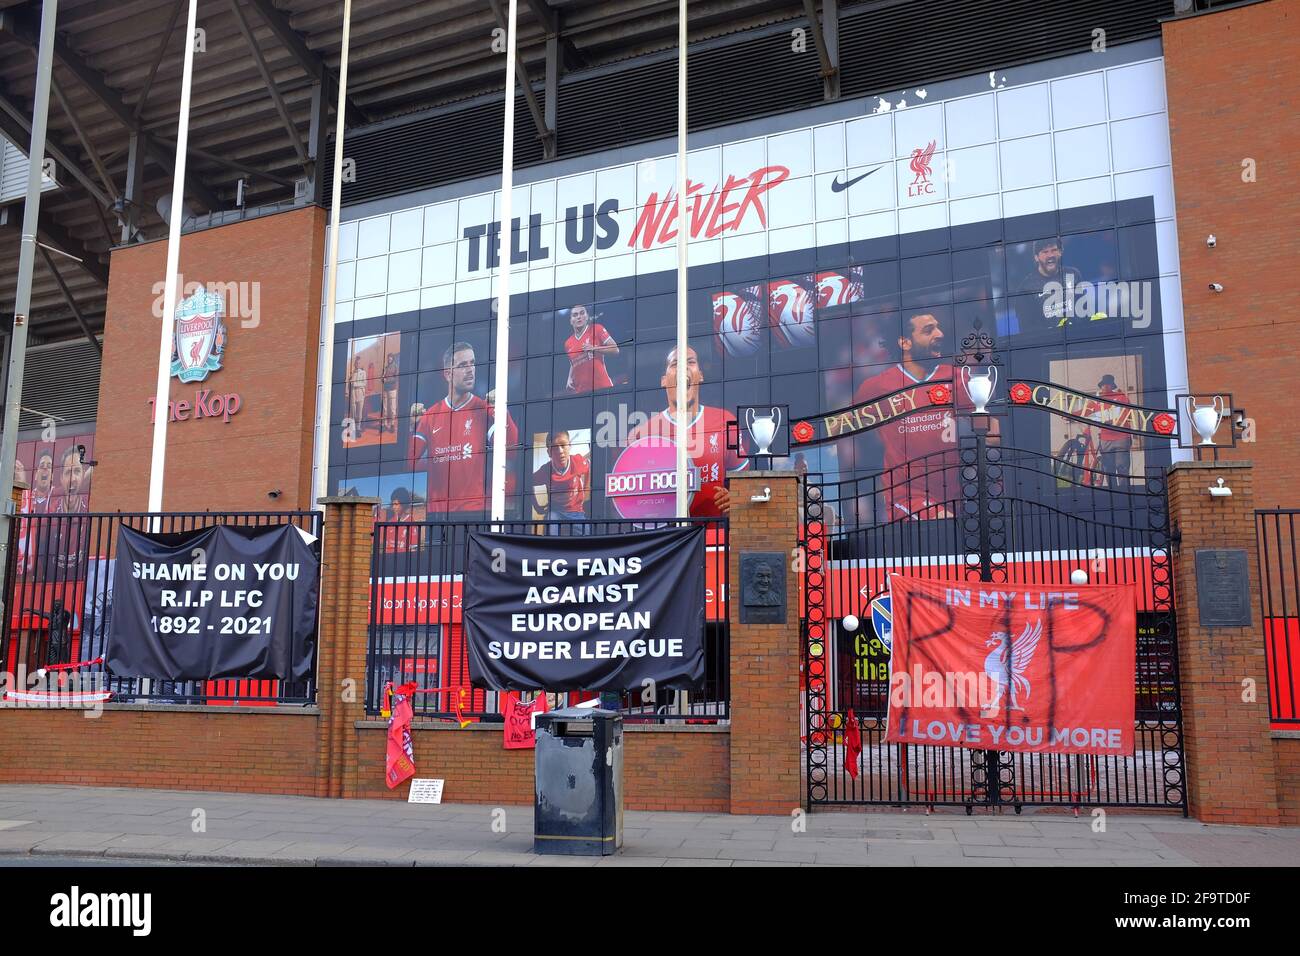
x,y
1222,587
762,587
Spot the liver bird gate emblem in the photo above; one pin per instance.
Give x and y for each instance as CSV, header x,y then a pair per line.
x,y
1006,664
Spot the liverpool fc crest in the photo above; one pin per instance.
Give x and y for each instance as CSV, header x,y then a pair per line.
x,y
200,336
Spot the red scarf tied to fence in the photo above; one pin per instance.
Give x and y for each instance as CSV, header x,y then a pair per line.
x,y
400,759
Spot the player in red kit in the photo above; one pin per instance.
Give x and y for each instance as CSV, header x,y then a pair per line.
x,y
566,479
587,348
915,485
706,441
451,441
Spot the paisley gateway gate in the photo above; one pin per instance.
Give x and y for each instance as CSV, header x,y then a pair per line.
x,y
1008,516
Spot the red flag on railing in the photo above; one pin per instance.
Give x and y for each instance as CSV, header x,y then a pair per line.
x,y
520,734
400,759
852,745
458,710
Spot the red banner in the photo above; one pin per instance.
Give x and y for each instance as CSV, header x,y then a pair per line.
x,y
399,762
520,734
1019,667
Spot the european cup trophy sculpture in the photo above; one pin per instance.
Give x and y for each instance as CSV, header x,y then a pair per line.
x,y
763,429
980,387
1206,418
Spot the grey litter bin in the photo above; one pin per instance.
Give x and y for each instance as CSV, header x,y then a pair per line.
x,y
578,808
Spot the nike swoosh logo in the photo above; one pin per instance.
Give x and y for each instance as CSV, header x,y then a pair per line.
x,y
839,187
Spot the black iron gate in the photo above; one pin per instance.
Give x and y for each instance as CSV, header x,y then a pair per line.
x,y
1001,514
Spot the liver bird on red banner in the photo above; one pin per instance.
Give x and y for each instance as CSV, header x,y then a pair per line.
x,y
920,163
1007,662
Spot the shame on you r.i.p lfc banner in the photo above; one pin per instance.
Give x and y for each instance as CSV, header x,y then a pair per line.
x,y
224,601
1018,667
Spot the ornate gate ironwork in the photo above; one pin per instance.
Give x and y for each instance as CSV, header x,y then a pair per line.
x,y
1007,515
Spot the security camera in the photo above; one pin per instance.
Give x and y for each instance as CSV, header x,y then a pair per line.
x,y
274,494
1211,241
1216,287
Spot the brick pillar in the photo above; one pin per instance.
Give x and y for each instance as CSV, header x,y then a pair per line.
x,y
1230,773
764,657
341,645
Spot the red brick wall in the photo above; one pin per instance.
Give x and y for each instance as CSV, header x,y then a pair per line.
x,y
1286,752
764,657
213,464
677,770
1236,771
198,749
328,754
1230,775
1229,101
472,762
668,769
341,649
194,749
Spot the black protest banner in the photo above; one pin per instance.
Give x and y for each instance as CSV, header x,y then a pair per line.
x,y
219,602
609,612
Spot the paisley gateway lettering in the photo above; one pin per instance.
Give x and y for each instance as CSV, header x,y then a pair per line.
x,y
872,413
1085,406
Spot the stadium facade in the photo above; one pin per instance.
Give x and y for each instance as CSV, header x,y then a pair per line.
x,y
818,235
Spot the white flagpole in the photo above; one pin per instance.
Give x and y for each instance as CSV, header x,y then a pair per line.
x,y
26,265
326,390
683,426
162,389
502,377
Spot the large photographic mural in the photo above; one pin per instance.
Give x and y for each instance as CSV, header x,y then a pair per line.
x,y
831,264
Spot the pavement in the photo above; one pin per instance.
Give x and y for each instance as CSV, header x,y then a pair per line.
x,y
131,826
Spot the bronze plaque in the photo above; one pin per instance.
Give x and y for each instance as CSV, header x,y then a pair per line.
x,y
1223,587
762,587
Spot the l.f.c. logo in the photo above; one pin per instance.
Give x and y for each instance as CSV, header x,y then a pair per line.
x,y
200,338
920,165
